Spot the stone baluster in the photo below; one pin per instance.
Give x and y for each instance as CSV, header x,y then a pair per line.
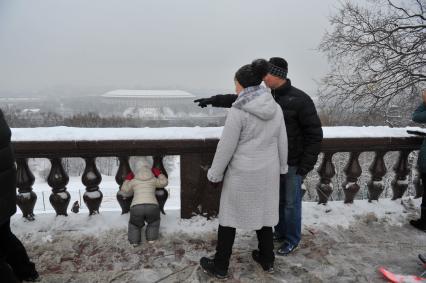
x,y
91,179
160,193
197,194
377,170
210,195
418,185
400,182
123,170
326,172
303,187
26,198
353,171
57,180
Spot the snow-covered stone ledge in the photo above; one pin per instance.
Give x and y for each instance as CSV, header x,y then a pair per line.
x,y
183,133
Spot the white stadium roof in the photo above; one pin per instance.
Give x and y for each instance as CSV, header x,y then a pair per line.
x,y
135,93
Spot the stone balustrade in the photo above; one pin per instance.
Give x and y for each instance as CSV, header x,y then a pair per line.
x,y
196,155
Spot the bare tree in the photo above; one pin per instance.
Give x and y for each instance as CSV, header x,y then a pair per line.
x,y
377,53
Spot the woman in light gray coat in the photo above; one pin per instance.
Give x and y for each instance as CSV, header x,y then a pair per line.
x,y
250,156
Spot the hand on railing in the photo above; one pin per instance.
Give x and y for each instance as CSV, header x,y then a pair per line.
x,y
130,176
156,171
216,185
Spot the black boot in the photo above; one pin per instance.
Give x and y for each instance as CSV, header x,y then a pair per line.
x,y
218,266
207,264
33,277
267,266
421,222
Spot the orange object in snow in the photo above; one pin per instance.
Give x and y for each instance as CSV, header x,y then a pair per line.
x,y
399,278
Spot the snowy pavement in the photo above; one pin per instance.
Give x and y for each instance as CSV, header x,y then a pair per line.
x,y
341,243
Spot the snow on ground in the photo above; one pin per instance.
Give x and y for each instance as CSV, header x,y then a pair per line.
x,y
63,133
341,243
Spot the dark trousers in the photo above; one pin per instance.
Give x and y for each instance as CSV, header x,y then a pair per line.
x,y
14,262
139,214
6,273
423,204
225,241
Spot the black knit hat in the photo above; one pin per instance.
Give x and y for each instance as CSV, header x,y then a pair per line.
x,y
252,74
278,67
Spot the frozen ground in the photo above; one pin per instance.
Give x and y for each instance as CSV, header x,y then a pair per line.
x,y
341,243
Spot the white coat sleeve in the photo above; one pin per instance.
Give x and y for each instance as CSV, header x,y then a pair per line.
x,y
283,148
227,145
127,188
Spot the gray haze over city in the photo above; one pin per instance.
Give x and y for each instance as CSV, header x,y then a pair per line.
x,y
193,45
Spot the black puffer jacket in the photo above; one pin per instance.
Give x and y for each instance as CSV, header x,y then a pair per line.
x,y
7,173
303,125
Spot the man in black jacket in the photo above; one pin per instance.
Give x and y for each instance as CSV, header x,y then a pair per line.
x,y
15,266
304,141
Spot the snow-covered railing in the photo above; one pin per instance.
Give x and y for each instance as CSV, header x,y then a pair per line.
x,y
196,147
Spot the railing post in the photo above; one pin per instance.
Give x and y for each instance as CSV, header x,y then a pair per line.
x,y
353,171
26,198
419,187
377,170
400,182
326,172
91,179
57,180
123,170
418,184
160,193
198,196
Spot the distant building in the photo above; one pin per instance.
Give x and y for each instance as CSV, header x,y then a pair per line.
x,y
21,102
33,114
30,111
19,99
152,104
147,98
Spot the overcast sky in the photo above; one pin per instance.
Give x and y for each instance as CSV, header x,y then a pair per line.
x,y
185,44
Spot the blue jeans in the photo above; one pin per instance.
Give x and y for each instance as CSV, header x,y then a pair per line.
x,y
423,204
290,210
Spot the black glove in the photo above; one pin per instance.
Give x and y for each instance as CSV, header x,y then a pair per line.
x,y
302,173
203,102
215,185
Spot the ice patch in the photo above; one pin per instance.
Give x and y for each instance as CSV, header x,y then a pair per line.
x,y
322,186
25,195
379,183
47,239
349,184
402,182
93,195
63,195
